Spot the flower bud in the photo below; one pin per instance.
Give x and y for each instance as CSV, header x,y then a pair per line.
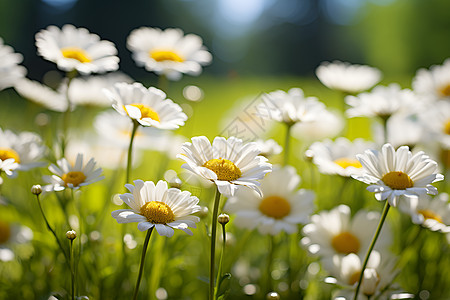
x,y
71,234
223,219
273,296
36,189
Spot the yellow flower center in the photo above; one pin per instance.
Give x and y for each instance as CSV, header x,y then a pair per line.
x,y
445,90
224,169
397,180
165,55
74,177
76,53
157,212
6,153
275,207
345,243
347,162
5,232
146,112
354,278
447,127
428,214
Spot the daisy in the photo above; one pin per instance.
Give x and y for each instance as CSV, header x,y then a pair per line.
x,y
280,208
268,147
158,206
382,101
434,83
327,124
77,49
436,119
168,52
66,175
336,232
393,173
431,213
26,148
229,163
346,77
10,71
339,156
149,107
11,235
41,94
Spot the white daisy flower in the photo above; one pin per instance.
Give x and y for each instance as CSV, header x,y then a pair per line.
x,y
74,48
336,232
10,71
229,163
269,147
11,235
327,124
280,208
26,148
431,213
434,83
436,119
158,206
41,94
149,107
346,77
66,175
339,156
168,52
293,106
382,101
393,173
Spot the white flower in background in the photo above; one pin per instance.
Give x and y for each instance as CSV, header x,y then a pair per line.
x,y
339,156
382,101
66,175
77,49
26,148
346,77
328,124
336,232
293,107
11,235
168,52
281,208
229,163
149,107
391,173
269,147
433,83
430,212
158,206
436,119
10,71
41,94
8,166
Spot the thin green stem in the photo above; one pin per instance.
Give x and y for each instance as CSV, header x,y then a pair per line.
x,y
269,285
287,140
384,120
163,83
130,150
141,267
70,76
213,244
219,272
72,273
372,244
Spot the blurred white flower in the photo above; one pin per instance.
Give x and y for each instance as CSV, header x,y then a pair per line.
x,y
41,94
10,71
434,83
281,207
10,235
74,48
168,52
269,147
328,124
346,77
436,119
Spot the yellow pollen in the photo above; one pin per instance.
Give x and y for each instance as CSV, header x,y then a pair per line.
x,y
428,214
397,180
76,53
345,243
224,169
447,127
6,153
347,162
5,232
73,177
275,207
146,112
165,55
157,212
445,90
354,278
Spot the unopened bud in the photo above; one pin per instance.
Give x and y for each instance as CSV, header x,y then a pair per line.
x,y
203,212
175,182
309,155
223,219
273,296
36,189
71,234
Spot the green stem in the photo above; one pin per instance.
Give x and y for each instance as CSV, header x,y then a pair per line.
x,y
72,277
141,267
163,83
269,285
130,150
70,76
219,272
213,244
372,244
384,120
286,144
